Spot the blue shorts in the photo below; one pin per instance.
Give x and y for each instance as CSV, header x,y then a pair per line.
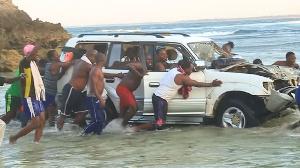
x,y
32,107
50,101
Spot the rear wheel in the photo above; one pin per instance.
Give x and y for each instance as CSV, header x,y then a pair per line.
x,y
237,114
111,112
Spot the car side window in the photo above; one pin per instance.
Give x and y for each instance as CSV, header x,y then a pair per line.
x,y
123,54
115,54
173,55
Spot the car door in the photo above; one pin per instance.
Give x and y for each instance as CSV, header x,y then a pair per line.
x,y
117,64
193,105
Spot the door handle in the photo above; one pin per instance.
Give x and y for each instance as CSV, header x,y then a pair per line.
x,y
110,80
154,84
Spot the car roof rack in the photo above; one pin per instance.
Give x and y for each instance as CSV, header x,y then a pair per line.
x,y
156,34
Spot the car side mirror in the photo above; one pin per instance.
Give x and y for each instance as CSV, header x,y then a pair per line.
x,y
200,65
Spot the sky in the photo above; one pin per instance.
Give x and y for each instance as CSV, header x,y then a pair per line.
x,y
103,12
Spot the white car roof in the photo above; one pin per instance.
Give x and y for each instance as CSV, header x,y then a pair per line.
x,y
176,38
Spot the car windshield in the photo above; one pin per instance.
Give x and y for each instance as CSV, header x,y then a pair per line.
x,y
203,50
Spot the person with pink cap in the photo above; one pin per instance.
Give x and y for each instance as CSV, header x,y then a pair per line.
x,y
33,92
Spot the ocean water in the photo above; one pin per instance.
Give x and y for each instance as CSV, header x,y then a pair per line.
x,y
267,39
178,146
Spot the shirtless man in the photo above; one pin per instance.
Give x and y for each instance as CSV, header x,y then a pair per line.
x,y
290,61
162,55
228,47
94,99
129,84
168,89
73,94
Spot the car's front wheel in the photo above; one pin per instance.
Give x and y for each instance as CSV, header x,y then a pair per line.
x,y
237,114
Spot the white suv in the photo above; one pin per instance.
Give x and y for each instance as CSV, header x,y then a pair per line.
x,y
240,101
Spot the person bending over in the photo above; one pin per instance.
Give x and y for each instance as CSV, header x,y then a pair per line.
x,y
175,79
127,86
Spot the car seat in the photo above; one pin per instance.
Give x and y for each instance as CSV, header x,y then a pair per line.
x,y
172,55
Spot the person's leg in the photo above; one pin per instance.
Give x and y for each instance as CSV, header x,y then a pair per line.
x,y
9,116
51,110
12,105
32,109
81,110
22,117
34,124
160,112
60,121
2,130
101,123
151,125
80,118
39,130
68,95
123,111
92,125
131,112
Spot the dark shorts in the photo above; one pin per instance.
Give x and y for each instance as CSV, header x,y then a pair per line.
x,y
50,101
32,107
12,102
160,107
74,101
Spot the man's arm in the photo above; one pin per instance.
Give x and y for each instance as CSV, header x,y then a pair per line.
x,y
12,80
36,48
55,67
111,75
186,80
160,67
133,68
277,63
95,80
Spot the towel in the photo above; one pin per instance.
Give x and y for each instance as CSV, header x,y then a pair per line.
x,y
184,90
84,58
38,82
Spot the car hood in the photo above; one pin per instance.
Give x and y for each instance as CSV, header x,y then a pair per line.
x,y
231,77
273,72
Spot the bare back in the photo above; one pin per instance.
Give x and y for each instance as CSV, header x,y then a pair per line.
x,y
80,75
285,63
131,80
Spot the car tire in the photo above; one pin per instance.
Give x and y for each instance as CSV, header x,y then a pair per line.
x,y
237,114
111,112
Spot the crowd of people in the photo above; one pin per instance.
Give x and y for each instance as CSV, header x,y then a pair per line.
x,y
85,92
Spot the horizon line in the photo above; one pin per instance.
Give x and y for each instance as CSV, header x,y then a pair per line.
x,y
180,21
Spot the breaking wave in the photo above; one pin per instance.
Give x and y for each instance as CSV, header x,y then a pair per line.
x,y
120,30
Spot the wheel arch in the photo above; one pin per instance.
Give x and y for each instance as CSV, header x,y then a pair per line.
x,y
246,97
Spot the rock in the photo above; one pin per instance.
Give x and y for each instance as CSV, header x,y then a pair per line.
x,y
17,29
